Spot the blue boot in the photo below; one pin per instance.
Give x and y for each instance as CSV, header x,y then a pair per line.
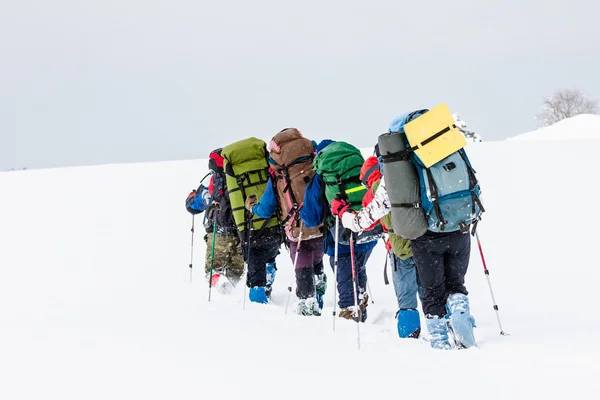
x,y
271,272
460,321
438,333
258,294
409,323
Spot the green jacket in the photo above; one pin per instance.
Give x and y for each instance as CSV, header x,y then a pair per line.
x,y
401,247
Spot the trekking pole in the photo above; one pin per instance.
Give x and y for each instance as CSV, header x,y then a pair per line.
x,y
335,267
354,278
212,259
287,303
192,249
370,292
487,275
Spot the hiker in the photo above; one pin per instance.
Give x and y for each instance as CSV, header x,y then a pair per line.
x,y
337,166
441,257
247,174
291,157
227,261
404,273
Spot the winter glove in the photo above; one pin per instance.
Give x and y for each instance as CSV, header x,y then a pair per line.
x,y
251,202
339,207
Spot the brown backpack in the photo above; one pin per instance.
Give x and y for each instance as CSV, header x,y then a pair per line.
x,y
291,157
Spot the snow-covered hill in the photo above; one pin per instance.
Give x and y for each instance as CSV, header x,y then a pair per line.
x,y
584,126
95,301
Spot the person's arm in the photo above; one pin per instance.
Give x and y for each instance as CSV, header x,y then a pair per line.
x,y
312,210
367,216
267,205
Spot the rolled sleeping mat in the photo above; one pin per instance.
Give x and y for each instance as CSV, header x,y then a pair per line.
x,y
402,184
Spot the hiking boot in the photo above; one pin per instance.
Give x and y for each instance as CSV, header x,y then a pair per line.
x,y
460,321
438,333
409,323
350,314
258,295
308,306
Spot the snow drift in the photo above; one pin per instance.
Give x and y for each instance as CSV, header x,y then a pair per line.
x,y
584,126
95,301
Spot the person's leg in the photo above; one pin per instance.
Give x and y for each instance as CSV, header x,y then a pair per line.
x,y
428,254
360,263
344,281
405,283
235,265
407,286
457,261
320,277
303,254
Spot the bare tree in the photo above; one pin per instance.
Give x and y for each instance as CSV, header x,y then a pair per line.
x,y
565,104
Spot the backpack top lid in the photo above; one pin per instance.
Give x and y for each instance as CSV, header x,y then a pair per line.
x,y
215,160
338,161
245,155
288,147
324,143
397,124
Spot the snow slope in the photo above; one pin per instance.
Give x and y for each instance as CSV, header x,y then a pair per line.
x,y
95,301
584,126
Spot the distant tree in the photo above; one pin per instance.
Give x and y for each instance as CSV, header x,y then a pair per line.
x,y
467,133
563,104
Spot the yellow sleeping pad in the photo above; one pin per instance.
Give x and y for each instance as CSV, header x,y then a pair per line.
x,y
435,135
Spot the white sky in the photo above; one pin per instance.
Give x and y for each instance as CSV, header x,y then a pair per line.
x,y
88,82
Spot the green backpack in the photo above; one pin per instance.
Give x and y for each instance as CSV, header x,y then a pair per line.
x,y
339,165
247,173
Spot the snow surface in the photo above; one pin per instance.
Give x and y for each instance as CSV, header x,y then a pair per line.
x,y
584,126
95,301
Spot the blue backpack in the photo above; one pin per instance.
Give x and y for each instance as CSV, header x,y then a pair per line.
x,y
450,193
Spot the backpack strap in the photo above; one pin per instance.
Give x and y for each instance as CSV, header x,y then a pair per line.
x,y
473,182
434,199
407,205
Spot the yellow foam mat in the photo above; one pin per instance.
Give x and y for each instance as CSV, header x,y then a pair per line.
x,y
436,122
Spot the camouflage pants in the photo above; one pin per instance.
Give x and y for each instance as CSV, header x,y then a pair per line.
x,y
228,255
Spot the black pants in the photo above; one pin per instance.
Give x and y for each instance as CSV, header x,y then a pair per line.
x,y
442,260
259,254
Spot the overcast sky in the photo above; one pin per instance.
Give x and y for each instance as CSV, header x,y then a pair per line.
x,y
103,81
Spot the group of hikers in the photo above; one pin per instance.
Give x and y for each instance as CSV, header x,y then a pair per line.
x,y
417,193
